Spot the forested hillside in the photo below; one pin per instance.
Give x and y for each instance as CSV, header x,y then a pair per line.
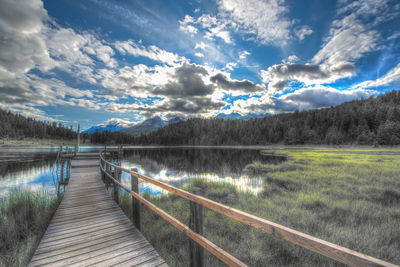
x,y
17,126
370,121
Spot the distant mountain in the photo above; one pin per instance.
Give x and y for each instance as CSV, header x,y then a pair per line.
x,y
235,116
149,125
112,125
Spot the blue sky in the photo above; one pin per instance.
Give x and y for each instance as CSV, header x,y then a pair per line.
x,y
95,61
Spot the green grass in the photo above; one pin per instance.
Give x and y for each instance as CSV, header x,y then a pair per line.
x,y
24,217
347,196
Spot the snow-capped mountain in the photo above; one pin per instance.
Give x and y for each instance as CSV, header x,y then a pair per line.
x,y
235,116
149,125
111,125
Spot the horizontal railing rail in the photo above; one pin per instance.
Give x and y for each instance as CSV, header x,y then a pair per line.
x,y
333,251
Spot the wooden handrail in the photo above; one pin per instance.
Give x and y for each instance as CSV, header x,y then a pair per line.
x,y
205,243
333,251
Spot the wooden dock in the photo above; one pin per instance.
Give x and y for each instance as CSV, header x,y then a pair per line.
x,y
89,228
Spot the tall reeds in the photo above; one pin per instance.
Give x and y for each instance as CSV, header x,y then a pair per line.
x,y
24,217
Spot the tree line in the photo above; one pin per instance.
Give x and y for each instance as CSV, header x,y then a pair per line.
x,y
19,127
375,120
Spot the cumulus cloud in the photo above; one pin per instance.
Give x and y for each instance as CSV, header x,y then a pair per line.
x,y
187,80
22,31
185,25
351,36
291,59
201,46
78,54
303,99
323,96
277,76
198,54
266,20
303,31
245,86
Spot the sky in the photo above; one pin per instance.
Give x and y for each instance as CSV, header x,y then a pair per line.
x,y
94,61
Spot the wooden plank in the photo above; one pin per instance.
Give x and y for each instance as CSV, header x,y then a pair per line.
x,y
61,247
93,251
89,225
110,255
123,256
94,244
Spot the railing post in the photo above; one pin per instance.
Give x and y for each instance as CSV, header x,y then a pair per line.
x,y
69,169
117,176
196,224
135,202
62,170
108,171
103,165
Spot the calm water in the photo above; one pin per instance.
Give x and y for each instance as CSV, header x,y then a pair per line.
x,y
33,168
29,168
177,166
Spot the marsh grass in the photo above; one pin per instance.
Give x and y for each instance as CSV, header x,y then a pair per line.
x,y
350,197
24,217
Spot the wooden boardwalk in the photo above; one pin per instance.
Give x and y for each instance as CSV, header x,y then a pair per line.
x,y
89,228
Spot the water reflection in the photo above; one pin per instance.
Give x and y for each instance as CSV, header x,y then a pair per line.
x,y
28,169
177,166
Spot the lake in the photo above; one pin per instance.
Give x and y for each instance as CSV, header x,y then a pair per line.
x,y
33,168
177,166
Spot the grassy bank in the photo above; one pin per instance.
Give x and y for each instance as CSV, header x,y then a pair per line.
x,y
348,196
24,217
36,142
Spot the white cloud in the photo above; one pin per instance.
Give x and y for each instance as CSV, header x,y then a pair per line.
x,y
119,121
153,52
244,54
303,99
291,59
184,25
231,65
390,78
201,46
303,31
22,29
352,35
277,76
349,40
322,96
199,54
206,21
266,20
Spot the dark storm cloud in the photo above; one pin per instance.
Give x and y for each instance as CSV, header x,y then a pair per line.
x,y
277,76
186,81
228,84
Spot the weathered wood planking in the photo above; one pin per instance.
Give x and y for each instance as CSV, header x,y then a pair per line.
x,y
89,228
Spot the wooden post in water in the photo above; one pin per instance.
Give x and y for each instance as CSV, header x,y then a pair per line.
x,y
77,140
62,170
68,169
135,202
196,224
117,176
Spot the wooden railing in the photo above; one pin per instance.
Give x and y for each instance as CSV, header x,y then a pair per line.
x,y
193,231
